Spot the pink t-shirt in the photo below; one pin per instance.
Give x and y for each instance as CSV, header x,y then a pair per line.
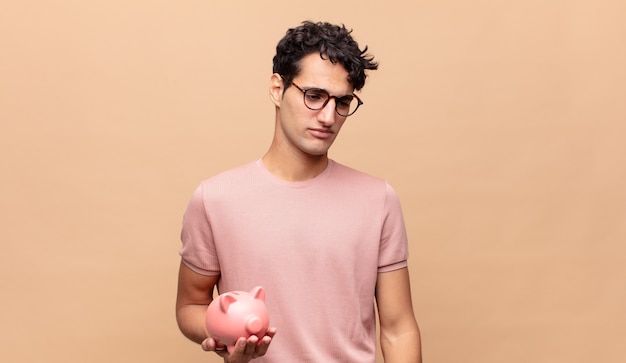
x,y
315,246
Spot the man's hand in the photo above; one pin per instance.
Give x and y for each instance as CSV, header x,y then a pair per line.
x,y
245,349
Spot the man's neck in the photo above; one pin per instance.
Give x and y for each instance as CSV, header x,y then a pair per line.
x,y
294,168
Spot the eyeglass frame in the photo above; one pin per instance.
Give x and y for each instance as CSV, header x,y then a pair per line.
x,y
304,91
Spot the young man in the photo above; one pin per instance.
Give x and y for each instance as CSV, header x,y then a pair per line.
x,y
324,240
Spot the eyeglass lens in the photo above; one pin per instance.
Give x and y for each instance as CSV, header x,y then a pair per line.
x,y
316,99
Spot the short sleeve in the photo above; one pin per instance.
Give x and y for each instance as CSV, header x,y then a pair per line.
x,y
393,253
198,249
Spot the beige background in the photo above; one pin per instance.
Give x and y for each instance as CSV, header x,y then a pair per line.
x,y
500,124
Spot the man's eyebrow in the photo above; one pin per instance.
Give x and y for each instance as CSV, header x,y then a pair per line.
x,y
322,89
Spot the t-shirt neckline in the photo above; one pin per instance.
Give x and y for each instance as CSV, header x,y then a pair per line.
x,y
295,184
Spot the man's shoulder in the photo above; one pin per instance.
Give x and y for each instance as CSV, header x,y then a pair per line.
x,y
229,181
354,174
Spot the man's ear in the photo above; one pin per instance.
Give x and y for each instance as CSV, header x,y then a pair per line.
x,y
276,89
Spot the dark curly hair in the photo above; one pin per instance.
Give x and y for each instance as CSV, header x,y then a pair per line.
x,y
333,42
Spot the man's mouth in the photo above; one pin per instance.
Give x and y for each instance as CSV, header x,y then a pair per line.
x,y
322,133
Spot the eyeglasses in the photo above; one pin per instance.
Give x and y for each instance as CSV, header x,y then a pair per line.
x,y
317,98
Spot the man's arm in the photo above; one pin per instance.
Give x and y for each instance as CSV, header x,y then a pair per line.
x,y
195,293
399,334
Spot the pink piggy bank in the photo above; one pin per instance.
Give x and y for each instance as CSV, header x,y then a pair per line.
x,y
237,314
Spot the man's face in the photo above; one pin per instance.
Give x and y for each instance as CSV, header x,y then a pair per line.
x,y
306,131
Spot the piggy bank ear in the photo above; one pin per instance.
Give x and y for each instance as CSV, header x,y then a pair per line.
x,y
226,300
258,293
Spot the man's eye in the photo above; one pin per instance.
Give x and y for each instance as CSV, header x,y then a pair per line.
x,y
344,101
315,95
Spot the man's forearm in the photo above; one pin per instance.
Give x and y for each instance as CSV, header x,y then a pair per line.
x,y
404,348
191,322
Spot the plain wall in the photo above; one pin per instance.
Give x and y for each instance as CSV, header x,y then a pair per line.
x,y
499,123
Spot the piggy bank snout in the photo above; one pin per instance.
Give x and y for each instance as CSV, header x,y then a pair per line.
x,y
254,324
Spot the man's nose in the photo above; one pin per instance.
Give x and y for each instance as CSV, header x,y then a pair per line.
x,y
327,115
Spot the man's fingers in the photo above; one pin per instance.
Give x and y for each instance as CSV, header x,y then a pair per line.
x,y
208,344
271,332
237,355
262,346
251,346
245,349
